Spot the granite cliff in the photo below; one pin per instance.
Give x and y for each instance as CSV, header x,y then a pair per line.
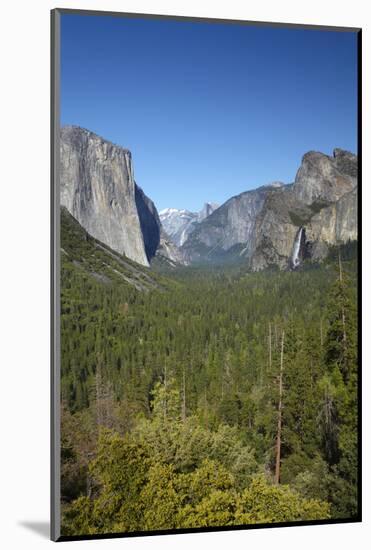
x,y
227,231
98,189
276,224
262,226
322,201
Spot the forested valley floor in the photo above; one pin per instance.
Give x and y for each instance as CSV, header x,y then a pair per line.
x,y
210,397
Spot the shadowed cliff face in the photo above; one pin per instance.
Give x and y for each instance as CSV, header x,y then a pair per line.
x,y
258,227
156,241
149,222
98,189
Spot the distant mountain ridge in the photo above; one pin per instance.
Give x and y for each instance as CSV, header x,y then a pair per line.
x,y
179,224
274,225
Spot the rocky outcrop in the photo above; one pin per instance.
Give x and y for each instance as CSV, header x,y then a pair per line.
x,y
208,208
322,200
97,187
324,178
262,225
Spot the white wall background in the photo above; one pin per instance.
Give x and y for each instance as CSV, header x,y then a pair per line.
x,y
24,272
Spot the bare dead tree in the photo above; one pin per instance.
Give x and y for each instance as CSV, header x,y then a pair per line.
x,y
165,392
342,308
270,347
279,420
184,411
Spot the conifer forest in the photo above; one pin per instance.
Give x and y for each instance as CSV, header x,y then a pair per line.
x,y
205,396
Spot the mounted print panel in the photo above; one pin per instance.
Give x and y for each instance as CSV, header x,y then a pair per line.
x,y
205,363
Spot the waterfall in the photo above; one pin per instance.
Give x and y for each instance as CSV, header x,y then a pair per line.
x,y
296,250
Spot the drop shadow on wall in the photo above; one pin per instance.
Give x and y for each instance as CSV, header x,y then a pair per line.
x,y
41,528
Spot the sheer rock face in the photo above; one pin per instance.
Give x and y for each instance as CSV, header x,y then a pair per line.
x,y
207,209
335,224
231,225
149,222
323,200
261,225
275,232
98,189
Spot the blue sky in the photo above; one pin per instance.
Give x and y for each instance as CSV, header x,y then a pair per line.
x,y
209,110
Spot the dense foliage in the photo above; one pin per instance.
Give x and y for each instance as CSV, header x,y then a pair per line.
x,y
170,398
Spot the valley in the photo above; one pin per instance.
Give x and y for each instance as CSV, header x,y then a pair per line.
x,y
209,368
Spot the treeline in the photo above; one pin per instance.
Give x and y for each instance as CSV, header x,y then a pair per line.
x,y
227,398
